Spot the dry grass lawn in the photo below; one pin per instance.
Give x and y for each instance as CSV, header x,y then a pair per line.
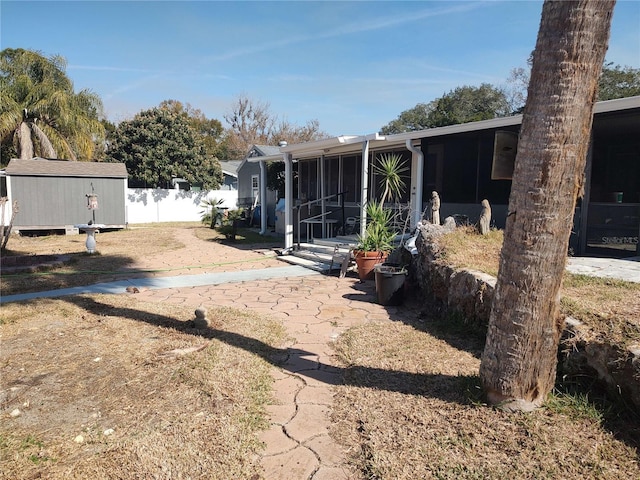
x,y
426,419
121,254
102,387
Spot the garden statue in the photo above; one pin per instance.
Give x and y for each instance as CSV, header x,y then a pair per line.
x,y
435,208
485,218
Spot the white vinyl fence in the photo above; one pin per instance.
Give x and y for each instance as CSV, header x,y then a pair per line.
x,y
151,205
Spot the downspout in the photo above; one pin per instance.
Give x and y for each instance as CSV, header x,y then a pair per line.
x,y
478,170
417,159
263,197
364,191
288,201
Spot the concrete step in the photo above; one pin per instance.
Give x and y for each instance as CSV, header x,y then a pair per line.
x,y
317,265
347,241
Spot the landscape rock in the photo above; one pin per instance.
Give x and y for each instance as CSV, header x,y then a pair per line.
x,y
201,320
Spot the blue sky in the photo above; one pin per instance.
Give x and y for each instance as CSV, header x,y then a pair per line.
x,y
353,66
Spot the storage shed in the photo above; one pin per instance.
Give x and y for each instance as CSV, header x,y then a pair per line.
x,y
57,194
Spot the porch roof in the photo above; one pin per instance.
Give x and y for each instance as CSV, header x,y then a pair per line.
x,y
345,144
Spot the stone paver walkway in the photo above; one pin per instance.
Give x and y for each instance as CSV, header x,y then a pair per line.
x,y
315,310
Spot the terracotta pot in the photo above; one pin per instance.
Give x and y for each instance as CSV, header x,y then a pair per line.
x,y
366,261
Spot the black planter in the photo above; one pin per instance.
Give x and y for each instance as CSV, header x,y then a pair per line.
x,y
390,280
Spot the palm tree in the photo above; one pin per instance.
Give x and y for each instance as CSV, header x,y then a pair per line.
x,y
40,115
518,367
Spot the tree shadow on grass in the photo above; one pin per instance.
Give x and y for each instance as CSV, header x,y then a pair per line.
x,y
459,389
427,315
430,316
66,271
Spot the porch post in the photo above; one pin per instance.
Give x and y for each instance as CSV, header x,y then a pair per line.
x,y
586,198
364,192
417,168
263,197
288,201
323,202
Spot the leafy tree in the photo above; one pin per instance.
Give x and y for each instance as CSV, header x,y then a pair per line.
x,y
462,105
518,367
211,130
40,115
469,104
618,82
102,144
251,123
416,118
276,177
517,85
158,145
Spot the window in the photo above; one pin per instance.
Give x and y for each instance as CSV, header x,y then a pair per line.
x,y
255,186
341,174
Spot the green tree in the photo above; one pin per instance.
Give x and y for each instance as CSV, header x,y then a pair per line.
x,y
618,82
40,114
158,145
416,118
211,130
615,82
469,104
462,105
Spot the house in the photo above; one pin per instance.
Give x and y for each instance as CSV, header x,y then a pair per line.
x,y
229,174
55,194
252,182
466,163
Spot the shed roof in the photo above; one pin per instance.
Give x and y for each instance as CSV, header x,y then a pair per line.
x,y
42,167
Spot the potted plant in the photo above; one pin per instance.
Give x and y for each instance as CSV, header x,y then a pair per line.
x,y
377,242
390,168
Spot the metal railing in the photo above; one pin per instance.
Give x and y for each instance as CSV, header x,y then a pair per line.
x,y
322,215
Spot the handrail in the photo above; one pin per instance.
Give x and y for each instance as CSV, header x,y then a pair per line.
x,y
323,214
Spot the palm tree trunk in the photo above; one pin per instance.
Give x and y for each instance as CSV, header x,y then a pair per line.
x,y
25,142
518,365
45,144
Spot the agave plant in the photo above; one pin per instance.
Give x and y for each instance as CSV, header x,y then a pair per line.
x,y
378,236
